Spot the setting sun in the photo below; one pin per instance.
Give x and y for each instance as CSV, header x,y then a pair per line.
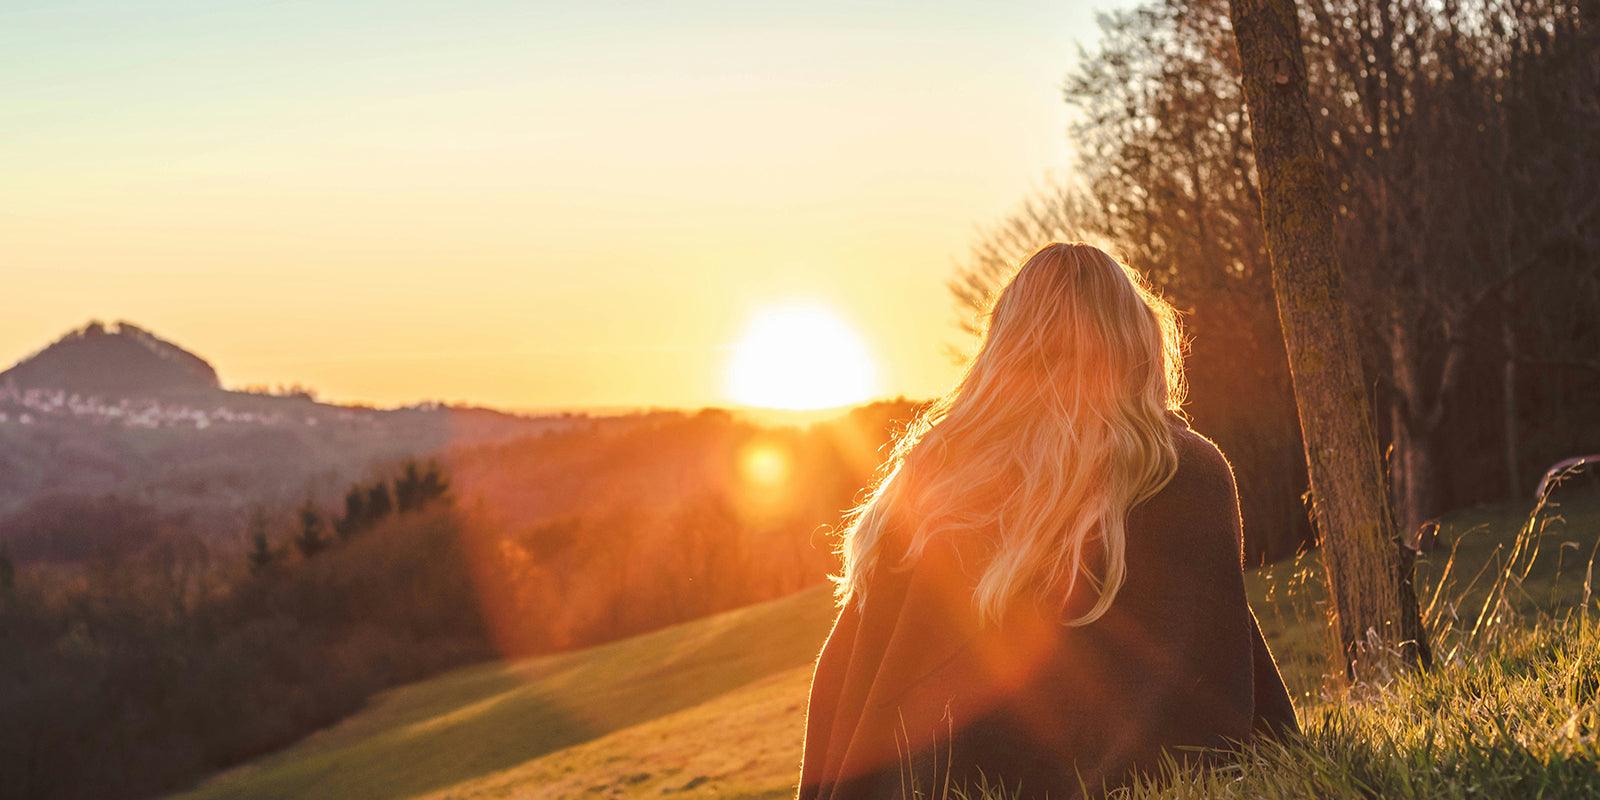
x,y
800,357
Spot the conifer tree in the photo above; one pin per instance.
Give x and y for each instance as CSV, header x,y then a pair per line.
x,y
380,503
407,488
356,517
433,484
310,541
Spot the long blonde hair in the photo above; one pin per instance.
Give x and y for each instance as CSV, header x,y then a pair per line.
x,y
1058,428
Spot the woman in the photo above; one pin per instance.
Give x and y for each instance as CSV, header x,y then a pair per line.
x,y
1044,591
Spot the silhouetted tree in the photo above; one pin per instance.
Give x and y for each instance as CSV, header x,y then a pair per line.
x,y
310,540
262,556
356,516
407,488
433,485
416,488
380,503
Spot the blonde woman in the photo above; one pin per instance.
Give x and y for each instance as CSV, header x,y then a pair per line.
x,y
1044,589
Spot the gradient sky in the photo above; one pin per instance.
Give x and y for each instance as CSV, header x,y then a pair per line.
x,y
530,205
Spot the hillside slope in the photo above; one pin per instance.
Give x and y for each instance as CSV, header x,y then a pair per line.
x,y
487,731
715,707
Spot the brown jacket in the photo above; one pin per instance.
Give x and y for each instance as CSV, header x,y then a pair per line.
x,y
910,692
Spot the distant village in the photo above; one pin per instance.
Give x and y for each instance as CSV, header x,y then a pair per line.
x,y
27,406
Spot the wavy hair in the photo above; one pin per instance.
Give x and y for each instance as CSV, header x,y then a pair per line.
x,y
1058,428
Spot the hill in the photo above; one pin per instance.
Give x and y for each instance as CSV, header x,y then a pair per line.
x,y
713,708
121,360
117,410
577,720
172,660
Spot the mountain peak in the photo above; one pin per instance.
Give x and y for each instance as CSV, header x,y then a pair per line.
x,y
116,359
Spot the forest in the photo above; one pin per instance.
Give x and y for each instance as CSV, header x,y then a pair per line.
x,y
1465,141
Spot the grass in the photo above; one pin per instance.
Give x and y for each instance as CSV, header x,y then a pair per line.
x,y
1516,720
493,730
714,708
1495,569
1511,709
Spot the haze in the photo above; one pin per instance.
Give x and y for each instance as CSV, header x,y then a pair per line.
x,y
528,205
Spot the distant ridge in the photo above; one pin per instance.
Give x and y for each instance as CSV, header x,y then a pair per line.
x,y
114,410
117,359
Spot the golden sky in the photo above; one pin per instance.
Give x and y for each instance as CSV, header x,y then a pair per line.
x,y
528,205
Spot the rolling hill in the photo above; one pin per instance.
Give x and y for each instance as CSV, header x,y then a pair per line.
x,y
714,707
592,720
114,409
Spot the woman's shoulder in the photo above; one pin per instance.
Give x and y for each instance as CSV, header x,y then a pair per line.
x,y
1199,458
1198,508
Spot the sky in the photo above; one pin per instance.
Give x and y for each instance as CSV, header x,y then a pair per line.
x,y
528,205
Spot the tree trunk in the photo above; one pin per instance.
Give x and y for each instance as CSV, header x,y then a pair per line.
x,y
1508,402
1421,414
1415,465
1369,577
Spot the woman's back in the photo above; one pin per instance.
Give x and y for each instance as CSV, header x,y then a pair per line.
x,y
913,691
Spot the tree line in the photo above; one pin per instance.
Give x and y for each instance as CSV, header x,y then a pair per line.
x,y
132,671
365,506
1464,144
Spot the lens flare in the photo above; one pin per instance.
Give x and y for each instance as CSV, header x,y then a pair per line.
x,y
764,465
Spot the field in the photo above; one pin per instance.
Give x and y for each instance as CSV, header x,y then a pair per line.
x,y
714,708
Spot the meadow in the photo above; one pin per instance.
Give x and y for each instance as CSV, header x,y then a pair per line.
x,y
710,247
714,707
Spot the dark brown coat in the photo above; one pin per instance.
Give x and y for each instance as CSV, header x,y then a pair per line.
x,y
910,691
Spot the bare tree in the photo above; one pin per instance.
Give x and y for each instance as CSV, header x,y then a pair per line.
x,y
1368,578
1056,215
1466,142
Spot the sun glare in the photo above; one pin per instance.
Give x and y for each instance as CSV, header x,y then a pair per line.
x,y
763,464
800,357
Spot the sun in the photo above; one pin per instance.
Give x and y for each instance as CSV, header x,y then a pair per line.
x,y
800,357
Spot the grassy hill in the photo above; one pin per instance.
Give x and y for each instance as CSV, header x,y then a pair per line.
x,y
714,708
581,719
